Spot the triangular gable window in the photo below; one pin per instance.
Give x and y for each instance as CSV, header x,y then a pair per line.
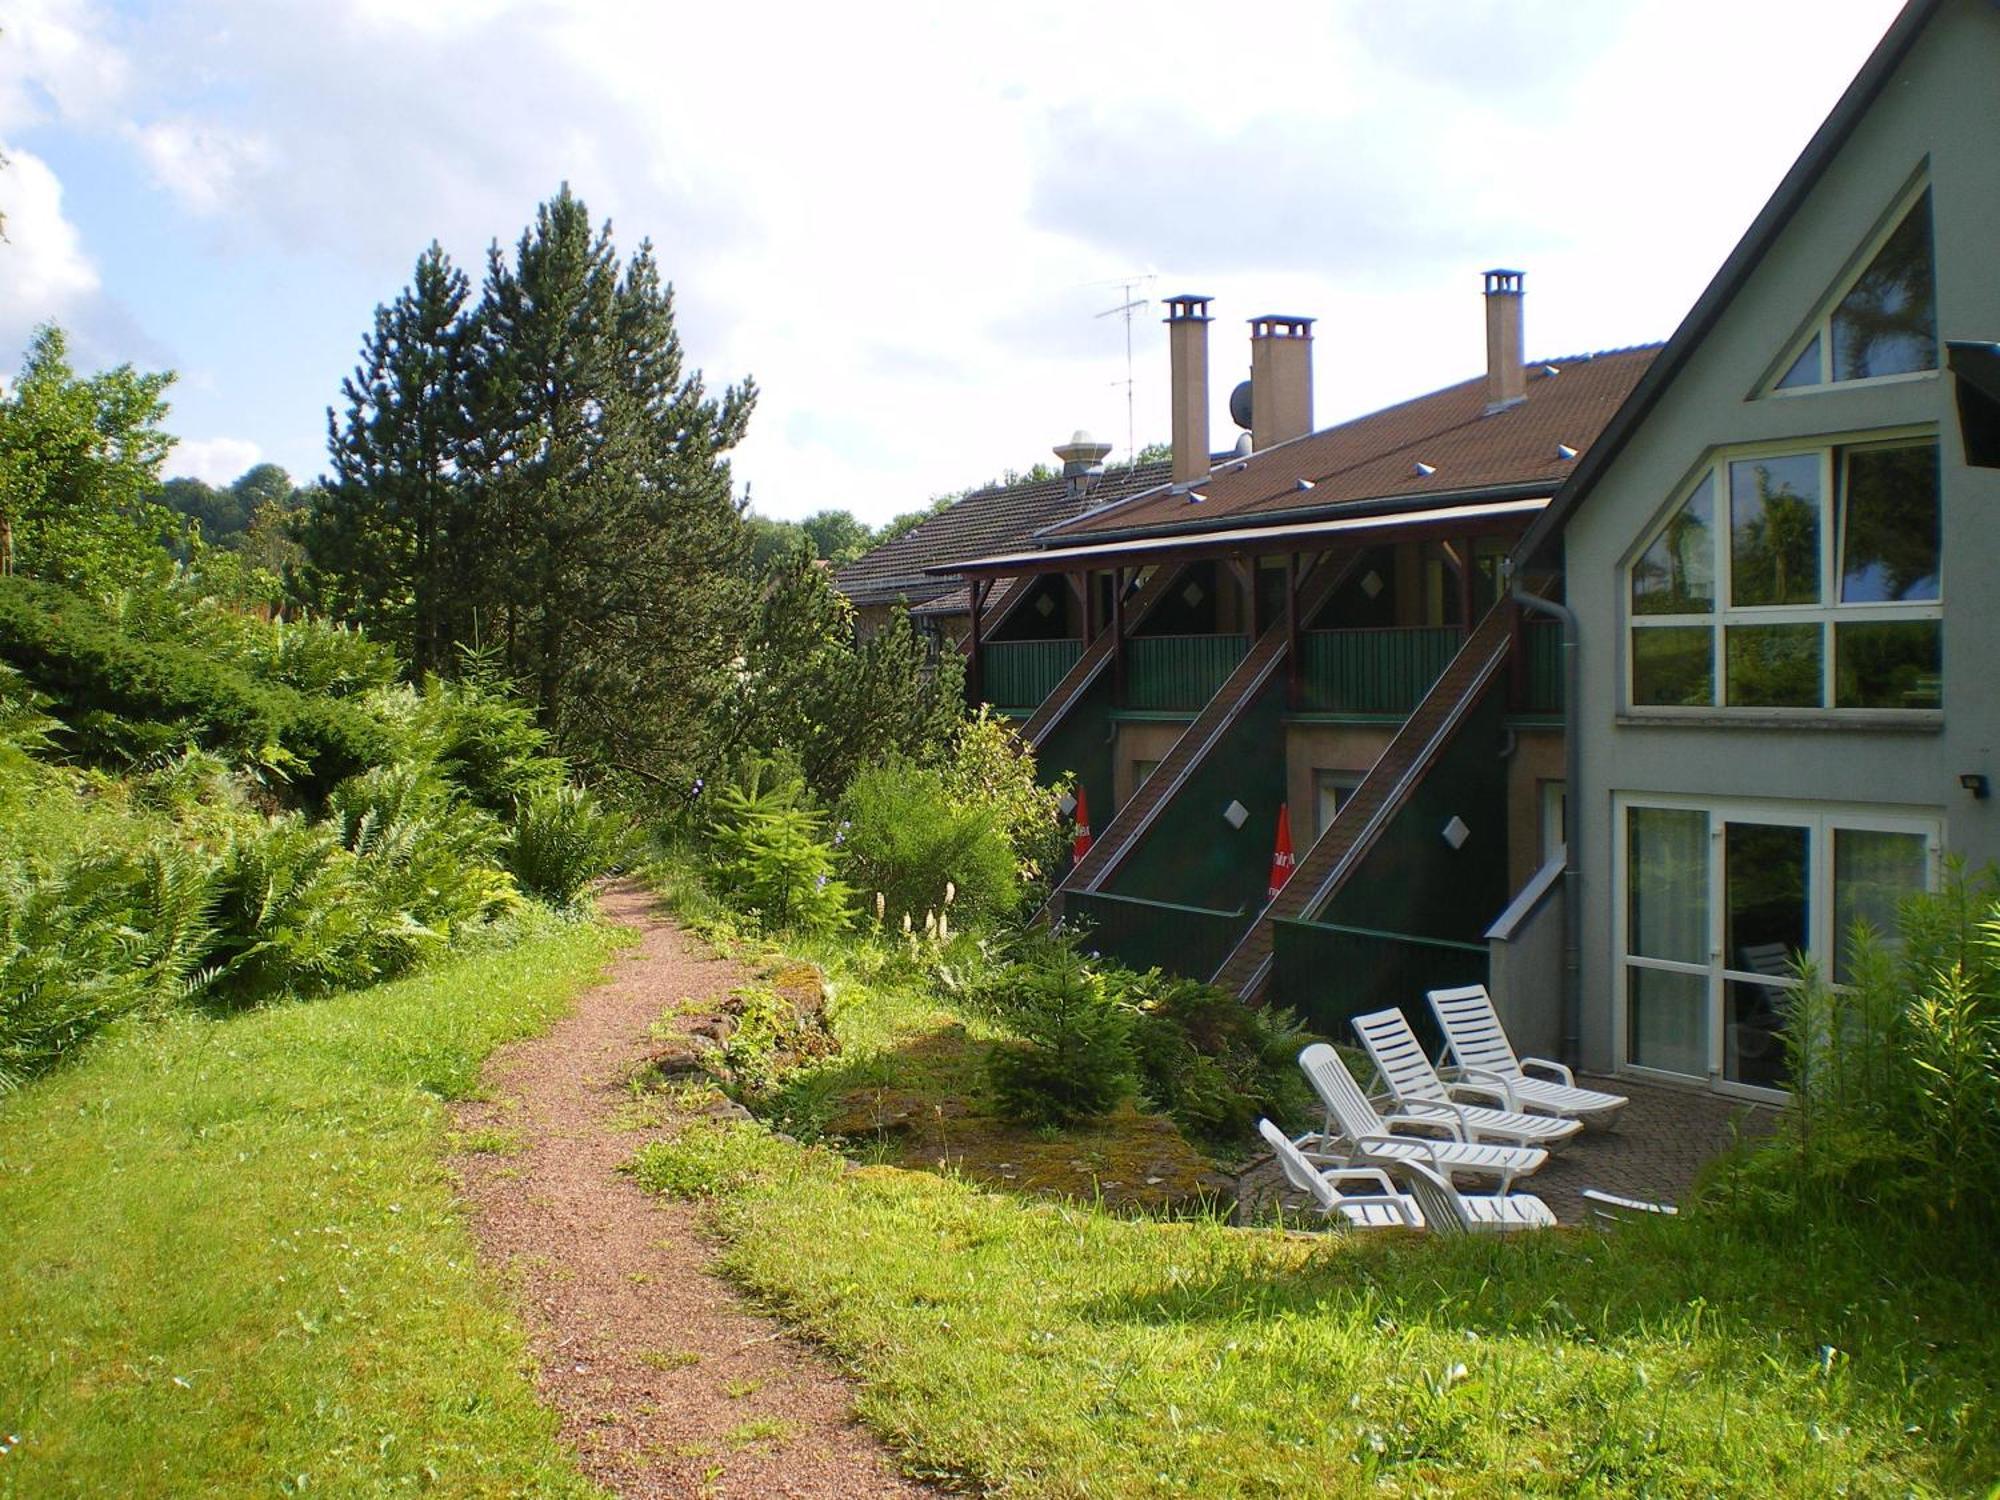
x,y
1886,322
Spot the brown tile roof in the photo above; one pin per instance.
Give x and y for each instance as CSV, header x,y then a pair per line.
x,y
998,519
1466,450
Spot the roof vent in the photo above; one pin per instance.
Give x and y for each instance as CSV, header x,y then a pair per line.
x,y
1196,497
1081,454
1565,452
1424,470
1305,484
1551,370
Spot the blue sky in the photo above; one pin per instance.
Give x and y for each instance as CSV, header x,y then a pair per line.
x,y
901,219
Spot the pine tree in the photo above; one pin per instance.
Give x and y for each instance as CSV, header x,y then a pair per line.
x,y
390,537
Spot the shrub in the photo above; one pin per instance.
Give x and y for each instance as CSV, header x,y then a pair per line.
x,y
991,767
1073,1059
1210,1061
294,916
1896,1079
427,858
905,835
772,859
480,736
561,841
126,699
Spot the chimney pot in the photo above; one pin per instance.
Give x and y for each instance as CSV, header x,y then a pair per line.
x,y
1187,339
1506,364
1281,384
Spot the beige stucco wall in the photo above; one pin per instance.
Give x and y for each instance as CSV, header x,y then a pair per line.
x,y
1537,758
1325,747
1136,742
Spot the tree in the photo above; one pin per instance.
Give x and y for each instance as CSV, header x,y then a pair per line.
x,y
809,690
388,539
836,535
78,458
615,549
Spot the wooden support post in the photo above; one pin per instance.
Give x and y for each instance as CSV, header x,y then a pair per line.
x,y
1517,662
1079,588
1465,584
1118,637
1294,666
975,677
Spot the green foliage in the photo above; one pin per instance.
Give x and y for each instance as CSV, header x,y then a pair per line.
x,y
772,858
707,1158
809,690
562,839
906,835
539,471
480,736
1895,1125
124,698
989,765
1073,1059
1211,1062
78,458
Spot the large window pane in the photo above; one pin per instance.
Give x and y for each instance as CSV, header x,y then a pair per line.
x,y
1774,666
1677,574
1872,872
1888,324
1764,889
1666,853
1667,1020
1889,664
1673,665
1889,525
1753,1034
1774,511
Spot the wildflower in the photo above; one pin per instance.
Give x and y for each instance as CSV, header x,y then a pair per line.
x,y
950,893
819,882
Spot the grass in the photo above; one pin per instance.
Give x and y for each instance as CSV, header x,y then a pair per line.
x,y
1051,1349
233,1263
1056,1350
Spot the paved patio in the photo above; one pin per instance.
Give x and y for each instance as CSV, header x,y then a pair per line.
x,y
1660,1141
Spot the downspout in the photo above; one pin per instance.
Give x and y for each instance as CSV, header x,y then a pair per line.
x,y
1572,1041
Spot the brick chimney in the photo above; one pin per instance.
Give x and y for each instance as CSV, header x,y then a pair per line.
x,y
1281,380
1506,363
1187,341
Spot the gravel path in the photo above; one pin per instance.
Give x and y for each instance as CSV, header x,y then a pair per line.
x,y
666,1382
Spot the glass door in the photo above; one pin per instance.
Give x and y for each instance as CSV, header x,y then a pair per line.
x,y
1767,924
1667,966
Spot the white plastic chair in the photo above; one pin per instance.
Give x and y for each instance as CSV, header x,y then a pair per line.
x,y
1447,1209
1353,1134
1384,1208
1415,1086
1478,1044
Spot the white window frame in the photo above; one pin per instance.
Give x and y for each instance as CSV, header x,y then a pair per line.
x,y
1821,820
1821,324
1826,614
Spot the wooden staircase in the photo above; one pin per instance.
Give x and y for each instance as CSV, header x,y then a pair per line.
x,y
1096,657
1242,687
1383,791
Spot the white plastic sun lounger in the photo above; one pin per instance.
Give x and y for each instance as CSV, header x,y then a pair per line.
x,y
1415,1086
1478,1044
1447,1209
1383,1208
1355,1135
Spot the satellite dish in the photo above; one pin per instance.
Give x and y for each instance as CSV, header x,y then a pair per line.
x,y
1239,406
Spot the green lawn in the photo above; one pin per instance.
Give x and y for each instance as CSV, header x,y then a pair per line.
x,y
1052,1350
232,1263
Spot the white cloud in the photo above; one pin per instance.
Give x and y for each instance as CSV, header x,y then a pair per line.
x,y
55,62
210,168
217,460
44,274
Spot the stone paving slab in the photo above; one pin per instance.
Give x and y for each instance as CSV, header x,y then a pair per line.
x,y
1653,1150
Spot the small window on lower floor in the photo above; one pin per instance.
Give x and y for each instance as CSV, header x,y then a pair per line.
x,y
1331,789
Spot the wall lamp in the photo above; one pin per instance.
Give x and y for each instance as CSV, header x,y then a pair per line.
x,y
1975,782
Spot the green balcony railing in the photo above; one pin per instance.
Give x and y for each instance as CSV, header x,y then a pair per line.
x,y
1020,674
1542,657
1191,941
1373,671
1179,671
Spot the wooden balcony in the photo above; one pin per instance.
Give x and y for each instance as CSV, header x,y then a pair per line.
x,y
1020,674
1175,672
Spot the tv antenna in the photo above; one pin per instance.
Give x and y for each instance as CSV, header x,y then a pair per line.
x,y
1127,309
